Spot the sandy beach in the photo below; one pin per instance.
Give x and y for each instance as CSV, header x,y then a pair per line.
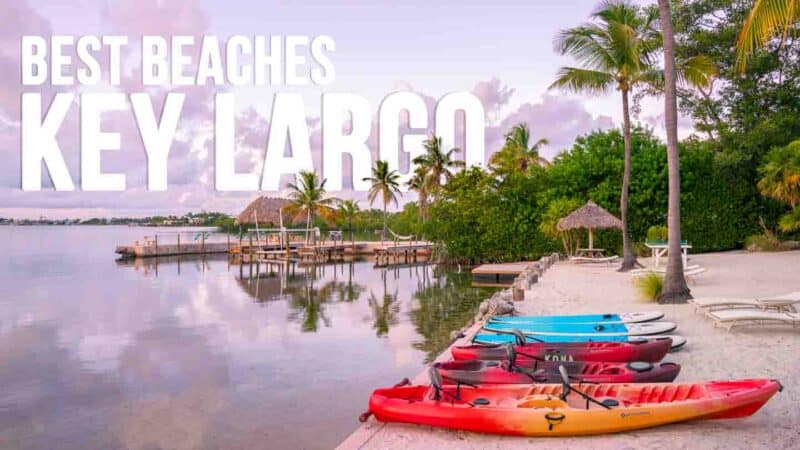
x,y
710,354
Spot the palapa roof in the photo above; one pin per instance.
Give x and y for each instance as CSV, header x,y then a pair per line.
x,y
265,210
589,216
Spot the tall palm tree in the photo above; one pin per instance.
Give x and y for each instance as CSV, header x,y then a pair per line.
x,y
347,211
767,19
438,165
674,289
386,183
617,49
308,197
517,154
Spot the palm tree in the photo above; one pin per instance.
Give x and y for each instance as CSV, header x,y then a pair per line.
x,y
309,197
780,179
674,289
420,184
619,49
437,164
517,154
384,182
347,211
767,19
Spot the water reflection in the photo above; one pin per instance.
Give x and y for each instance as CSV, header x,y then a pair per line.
x,y
195,352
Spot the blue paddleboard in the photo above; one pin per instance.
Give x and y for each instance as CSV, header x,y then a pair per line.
x,y
556,327
633,317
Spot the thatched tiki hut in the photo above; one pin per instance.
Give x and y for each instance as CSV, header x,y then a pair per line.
x,y
264,211
589,216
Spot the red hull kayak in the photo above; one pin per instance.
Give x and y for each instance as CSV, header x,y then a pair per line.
x,y
650,350
522,372
553,410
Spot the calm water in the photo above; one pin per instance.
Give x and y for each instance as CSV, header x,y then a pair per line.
x,y
197,353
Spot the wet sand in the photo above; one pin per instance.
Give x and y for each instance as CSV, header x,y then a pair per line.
x,y
711,353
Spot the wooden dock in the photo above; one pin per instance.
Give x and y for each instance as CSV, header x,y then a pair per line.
x,y
401,253
497,274
152,250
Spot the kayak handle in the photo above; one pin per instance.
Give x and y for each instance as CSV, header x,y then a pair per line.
x,y
363,417
403,382
553,419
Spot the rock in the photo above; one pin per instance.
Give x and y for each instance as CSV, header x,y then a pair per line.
x,y
456,335
502,309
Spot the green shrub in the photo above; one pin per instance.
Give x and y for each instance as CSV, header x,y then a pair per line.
x,y
649,286
763,243
641,250
657,233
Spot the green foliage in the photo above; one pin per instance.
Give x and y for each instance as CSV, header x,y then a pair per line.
x,y
557,210
517,153
479,218
763,243
225,223
657,233
712,214
649,286
790,221
406,221
780,180
780,174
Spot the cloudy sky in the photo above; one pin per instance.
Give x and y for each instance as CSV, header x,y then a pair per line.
x,y
501,51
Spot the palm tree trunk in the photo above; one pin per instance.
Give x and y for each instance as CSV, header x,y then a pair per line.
x,y
352,236
383,236
629,258
675,289
308,225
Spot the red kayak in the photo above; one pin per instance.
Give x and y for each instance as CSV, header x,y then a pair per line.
x,y
648,350
525,372
567,409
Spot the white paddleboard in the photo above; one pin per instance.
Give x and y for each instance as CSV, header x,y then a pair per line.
x,y
678,341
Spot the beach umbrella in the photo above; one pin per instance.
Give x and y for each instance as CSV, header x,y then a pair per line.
x,y
589,216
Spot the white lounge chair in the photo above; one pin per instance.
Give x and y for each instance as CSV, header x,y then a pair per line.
x,y
735,317
785,302
589,259
662,270
688,272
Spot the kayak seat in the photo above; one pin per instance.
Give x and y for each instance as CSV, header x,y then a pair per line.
x,y
640,366
610,402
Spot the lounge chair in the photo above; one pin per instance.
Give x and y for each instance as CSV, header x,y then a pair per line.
x,y
785,302
688,271
589,259
735,317
646,270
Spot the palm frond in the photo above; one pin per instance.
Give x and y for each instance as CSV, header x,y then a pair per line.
x,y
696,71
585,43
767,19
578,80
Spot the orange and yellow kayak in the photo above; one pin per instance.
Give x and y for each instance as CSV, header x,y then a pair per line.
x,y
545,409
